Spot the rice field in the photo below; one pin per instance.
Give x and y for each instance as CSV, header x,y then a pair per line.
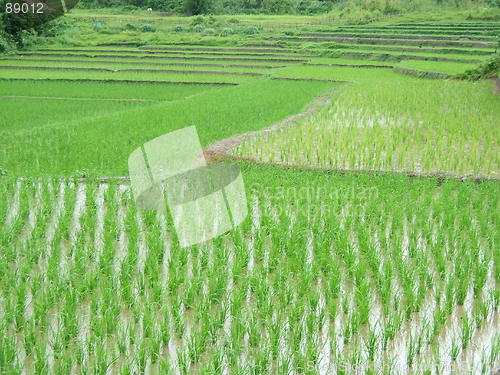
x,y
329,275
425,127
371,245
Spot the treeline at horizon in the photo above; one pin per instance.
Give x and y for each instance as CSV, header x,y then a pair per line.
x,y
303,7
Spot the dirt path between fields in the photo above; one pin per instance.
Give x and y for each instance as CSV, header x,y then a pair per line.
x,y
222,149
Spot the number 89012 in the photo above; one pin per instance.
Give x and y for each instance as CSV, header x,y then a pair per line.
x,y
19,8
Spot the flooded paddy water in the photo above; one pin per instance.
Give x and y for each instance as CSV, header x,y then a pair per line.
x,y
91,284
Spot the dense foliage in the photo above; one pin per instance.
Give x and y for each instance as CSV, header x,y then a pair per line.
x,y
489,69
19,31
194,7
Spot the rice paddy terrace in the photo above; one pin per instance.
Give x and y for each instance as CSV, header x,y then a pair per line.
x,y
350,263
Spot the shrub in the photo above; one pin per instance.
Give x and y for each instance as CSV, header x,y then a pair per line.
x,y
488,69
353,14
199,20
313,7
277,6
195,7
28,38
198,28
7,43
129,8
97,26
130,27
251,30
493,3
178,29
147,28
212,21
55,27
226,31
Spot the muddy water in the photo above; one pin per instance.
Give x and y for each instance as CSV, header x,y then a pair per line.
x,y
167,245
14,205
67,248
141,244
325,365
84,329
333,352
309,251
34,209
121,248
57,212
52,336
79,209
99,226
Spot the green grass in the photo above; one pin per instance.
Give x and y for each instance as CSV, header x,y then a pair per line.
x,y
61,89
129,65
145,60
337,73
433,66
326,60
386,35
186,54
385,54
406,43
123,76
108,140
72,101
38,113
320,249
247,58
429,51
388,125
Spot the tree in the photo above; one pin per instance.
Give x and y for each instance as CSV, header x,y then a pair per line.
x,y
196,7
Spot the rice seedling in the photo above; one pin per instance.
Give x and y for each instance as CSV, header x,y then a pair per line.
x,y
87,74
228,106
381,127
349,273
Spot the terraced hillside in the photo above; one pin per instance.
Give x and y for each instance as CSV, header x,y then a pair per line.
x,y
372,252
